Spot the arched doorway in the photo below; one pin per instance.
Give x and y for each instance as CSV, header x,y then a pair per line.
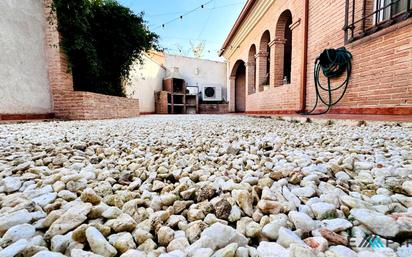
x,y
239,73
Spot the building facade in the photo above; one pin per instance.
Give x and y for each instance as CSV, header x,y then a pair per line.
x,y
144,79
24,86
147,77
273,46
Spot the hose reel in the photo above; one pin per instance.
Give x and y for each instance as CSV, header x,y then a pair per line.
x,y
333,63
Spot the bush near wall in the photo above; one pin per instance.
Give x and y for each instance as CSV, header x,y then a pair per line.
x,y
101,39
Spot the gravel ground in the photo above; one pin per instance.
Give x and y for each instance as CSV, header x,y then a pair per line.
x,y
201,186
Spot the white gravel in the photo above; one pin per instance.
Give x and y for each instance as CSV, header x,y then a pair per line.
x,y
206,185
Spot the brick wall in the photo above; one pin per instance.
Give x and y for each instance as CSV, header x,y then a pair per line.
x,y
213,108
70,104
382,63
161,102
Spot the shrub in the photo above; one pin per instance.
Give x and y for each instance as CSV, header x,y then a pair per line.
x,y
102,39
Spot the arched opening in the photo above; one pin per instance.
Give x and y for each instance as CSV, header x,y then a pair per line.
x,y
264,60
283,49
287,61
251,70
239,74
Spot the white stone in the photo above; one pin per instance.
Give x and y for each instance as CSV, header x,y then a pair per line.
x,y
242,252
112,213
271,230
378,223
303,192
340,251
176,253
323,210
363,165
288,237
266,249
45,199
15,218
81,253
133,253
298,250
98,244
228,251
11,184
407,187
218,236
235,214
51,254
22,231
165,235
302,221
404,251
202,252
59,243
122,241
72,218
337,225
14,249
244,200
180,243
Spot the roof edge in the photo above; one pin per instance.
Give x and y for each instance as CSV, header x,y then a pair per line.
x,y
245,11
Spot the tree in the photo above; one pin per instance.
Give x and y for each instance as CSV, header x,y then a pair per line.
x,y
102,39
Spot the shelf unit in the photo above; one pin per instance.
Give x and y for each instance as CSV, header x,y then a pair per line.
x,y
179,100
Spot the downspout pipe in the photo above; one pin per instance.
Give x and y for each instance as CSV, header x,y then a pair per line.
x,y
304,73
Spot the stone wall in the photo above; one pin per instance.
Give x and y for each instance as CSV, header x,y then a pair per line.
x,y
24,87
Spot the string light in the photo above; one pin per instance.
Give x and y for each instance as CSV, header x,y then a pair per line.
x,y
185,14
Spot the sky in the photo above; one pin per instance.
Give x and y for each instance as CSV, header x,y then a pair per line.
x,y
209,25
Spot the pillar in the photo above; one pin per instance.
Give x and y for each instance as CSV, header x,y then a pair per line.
x,y
261,69
232,95
251,77
278,53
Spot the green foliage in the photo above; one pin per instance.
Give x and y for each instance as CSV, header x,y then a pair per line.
x,y
102,39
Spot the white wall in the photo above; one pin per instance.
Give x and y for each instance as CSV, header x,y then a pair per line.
x,y
144,80
199,72
24,86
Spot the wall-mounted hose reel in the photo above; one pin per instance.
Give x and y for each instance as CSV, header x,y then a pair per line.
x,y
333,63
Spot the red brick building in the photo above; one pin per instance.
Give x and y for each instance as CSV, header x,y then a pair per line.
x,y
274,43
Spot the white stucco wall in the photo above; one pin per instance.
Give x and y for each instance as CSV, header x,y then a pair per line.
x,y
144,80
199,72
24,86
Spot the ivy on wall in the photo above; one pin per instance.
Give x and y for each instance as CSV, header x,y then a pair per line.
x,y
102,39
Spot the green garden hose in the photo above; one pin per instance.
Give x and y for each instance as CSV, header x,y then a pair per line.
x,y
333,62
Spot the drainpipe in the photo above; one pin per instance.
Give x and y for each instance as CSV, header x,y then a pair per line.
x,y
304,73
